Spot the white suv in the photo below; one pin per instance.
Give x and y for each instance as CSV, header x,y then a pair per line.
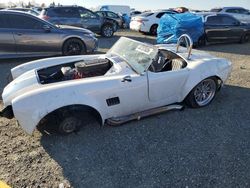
x,y
148,22
238,12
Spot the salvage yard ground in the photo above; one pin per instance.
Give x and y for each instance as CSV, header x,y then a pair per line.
x,y
207,147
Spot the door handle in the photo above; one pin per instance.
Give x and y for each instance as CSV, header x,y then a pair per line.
x,y
127,79
19,34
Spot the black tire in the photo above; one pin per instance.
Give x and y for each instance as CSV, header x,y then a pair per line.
x,y
73,47
153,29
107,30
244,38
69,124
202,41
116,26
192,98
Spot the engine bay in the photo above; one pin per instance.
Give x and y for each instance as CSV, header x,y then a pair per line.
x,y
74,70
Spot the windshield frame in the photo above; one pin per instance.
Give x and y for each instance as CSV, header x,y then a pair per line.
x,y
143,68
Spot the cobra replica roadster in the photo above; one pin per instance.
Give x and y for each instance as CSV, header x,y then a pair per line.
x,y
132,80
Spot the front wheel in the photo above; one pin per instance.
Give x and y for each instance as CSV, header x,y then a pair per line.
x,y
107,30
202,94
69,124
73,47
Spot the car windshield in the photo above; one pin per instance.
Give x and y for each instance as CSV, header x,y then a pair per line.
x,y
146,14
137,54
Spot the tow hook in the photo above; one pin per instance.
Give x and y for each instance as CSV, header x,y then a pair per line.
x,y
7,112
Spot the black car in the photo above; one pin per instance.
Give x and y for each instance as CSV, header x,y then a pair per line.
x,y
224,28
79,17
108,15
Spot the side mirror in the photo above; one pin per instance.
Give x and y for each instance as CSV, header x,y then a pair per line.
x,y
46,28
186,41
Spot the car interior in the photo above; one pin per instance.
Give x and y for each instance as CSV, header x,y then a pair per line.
x,y
167,61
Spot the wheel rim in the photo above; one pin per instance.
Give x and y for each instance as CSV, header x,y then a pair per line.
x,y
205,92
69,125
108,31
74,48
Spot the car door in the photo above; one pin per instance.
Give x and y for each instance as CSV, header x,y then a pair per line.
x,y
129,95
89,19
7,44
166,86
221,28
233,27
213,29
31,37
65,16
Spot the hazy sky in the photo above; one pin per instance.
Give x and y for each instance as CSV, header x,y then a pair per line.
x,y
149,4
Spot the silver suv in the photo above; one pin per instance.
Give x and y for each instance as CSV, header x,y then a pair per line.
x,y
240,13
79,17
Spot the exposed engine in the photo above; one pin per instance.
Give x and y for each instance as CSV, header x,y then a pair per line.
x,y
76,70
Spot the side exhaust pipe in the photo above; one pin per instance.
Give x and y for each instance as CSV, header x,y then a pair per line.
x,y
137,116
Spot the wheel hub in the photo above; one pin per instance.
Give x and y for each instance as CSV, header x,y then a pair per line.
x,y
205,92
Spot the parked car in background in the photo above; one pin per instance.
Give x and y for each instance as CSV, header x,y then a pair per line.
x,y
28,10
79,17
148,22
224,28
112,16
135,13
25,35
131,81
119,9
239,13
37,9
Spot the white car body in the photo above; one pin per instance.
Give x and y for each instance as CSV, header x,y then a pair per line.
x,y
145,21
31,100
239,13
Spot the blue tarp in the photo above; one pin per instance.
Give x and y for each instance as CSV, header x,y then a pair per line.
x,y
172,26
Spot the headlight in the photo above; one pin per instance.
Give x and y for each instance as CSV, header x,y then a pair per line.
x,y
92,35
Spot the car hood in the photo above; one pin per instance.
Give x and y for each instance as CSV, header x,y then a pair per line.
x,y
72,28
22,84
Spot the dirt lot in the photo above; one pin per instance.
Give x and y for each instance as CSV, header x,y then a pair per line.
x,y
208,147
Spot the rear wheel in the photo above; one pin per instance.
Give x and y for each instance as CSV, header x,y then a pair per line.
x,y
153,29
107,30
73,47
244,38
202,94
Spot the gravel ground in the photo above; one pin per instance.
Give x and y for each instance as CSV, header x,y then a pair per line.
x,y
207,147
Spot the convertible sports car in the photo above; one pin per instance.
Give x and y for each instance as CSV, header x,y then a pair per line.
x,y
132,80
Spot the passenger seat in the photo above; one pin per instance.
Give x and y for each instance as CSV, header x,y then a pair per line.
x,y
177,64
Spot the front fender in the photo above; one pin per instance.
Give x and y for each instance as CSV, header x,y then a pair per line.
x,y
30,108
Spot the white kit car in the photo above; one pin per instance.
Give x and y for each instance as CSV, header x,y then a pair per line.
x,y
132,80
